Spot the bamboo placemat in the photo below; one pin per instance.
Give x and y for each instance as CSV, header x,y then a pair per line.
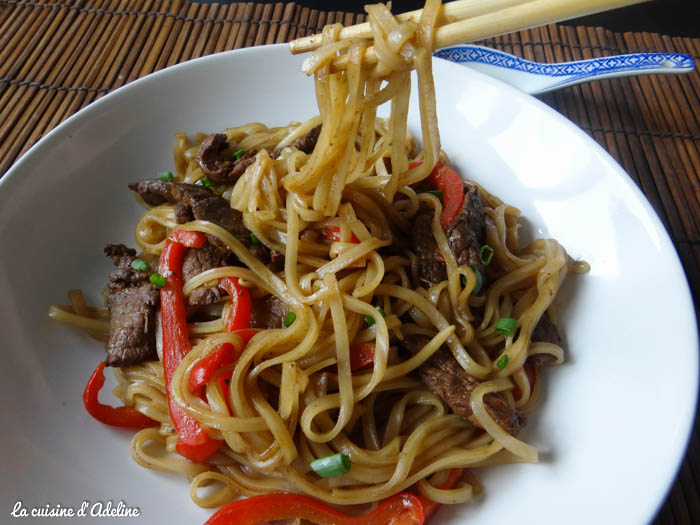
x,y
58,56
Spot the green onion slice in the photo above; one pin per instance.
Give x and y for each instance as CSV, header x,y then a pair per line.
x,y
479,280
205,182
331,466
239,154
489,251
370,320
157,280
254,239
289,318
506,325
165,175
139,265
437,193
502,362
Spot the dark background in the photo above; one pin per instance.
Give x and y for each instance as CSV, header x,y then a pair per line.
x,y
669,17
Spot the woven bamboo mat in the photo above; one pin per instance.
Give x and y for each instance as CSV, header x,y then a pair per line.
x,y
58,56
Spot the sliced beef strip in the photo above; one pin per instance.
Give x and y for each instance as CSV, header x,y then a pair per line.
x,y
307,143
197,202
268,313
465,236
217,169
545,332
132,303
183,213
239,166
198,260
209,155
200,203
276,262
443,375
431,264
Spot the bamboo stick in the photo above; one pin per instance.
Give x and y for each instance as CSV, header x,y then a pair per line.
x,y
452,12
515,17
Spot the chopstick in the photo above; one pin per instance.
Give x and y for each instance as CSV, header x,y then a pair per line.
x,y
468,20
450,12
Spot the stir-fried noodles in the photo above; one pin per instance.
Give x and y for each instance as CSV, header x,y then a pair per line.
x,y
397,319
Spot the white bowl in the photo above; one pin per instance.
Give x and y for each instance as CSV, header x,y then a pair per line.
x,y
614,424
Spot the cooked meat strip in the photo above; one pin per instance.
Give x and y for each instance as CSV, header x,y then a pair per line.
x,y
307,143
443,375
431,264
203,205
209,155
198,260
465,236
239,166
209,158
545,332
132,304
268,313
197,202
183,213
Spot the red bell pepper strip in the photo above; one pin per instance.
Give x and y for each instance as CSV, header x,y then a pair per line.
x,y
124,416
450,183
191,239
201,372
452,186
223,355
332,233
237,320
193,442
361,355
401,509
247,334
430,506
241,304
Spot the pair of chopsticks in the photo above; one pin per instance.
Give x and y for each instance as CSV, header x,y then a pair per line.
x,y
469,20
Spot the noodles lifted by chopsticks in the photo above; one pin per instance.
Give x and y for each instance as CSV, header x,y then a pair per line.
x,y
411,338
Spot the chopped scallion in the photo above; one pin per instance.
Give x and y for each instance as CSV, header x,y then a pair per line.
x,y
370,320
205,182
331,466
239,154
289,318
489,254
502,362
479,280
254,239
139,265
165,175
506,325
157,280
437,193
